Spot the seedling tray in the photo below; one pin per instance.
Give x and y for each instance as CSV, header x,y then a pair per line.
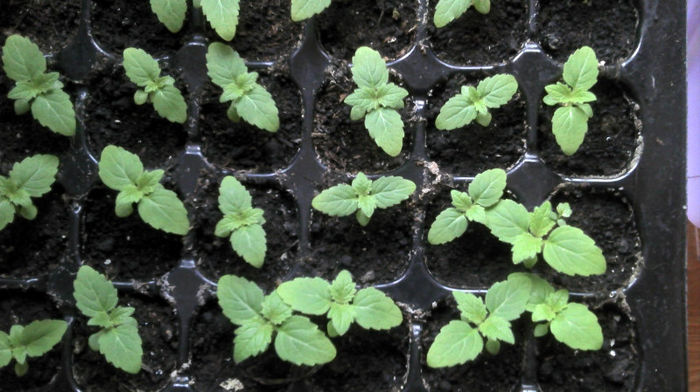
x,y
625,186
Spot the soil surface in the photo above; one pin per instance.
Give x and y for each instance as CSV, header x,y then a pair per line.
x,y
487,372
345,145
23,307
158,331
472,149
49,24
120,24
265,30
387,26
611,140
476,39
244,146
612,368
216,257
114,118
125,248
608,26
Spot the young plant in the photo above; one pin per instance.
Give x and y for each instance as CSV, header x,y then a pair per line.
x,y
33,340
249,100
221,14
485,191
376,100
363,196
570,121
159,207
448,10
143,71
565,248
474,103
260,318
241,222
32,177
304,9
35,89
459,342
570,323
341,303
118,338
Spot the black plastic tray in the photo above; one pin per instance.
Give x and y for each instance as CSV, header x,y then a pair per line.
x,y
653,183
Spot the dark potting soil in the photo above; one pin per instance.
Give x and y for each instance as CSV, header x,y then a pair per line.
x,y
476,39
487,372
120,24
244,146
387,26
23,307
158,331
472,149
345,145
33,248
608,26
611,141
609,219
125,248
265,30
114,118
216,257
612,368
49,24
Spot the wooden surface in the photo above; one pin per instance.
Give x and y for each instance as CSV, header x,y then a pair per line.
x,y
693,308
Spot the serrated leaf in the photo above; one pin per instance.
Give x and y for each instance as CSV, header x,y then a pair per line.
x,y
448,10
368,68
40,336
539,288
461,200
339,200
341,316
386,129
541,221
250,243
449,224
35,174
570,251
118,168
581,69
361,184
343,288
240,299
457,112
507,299
304,9
258,108
391,96
543,312
487,187
170,104
121,346
223,16
224,64
274,309
164,211
374,310
578,328
307,295
362,100
300,342
476,213
140,67
93,293
497,90
557,93
5,349
252,338
525,247
234,198
367,205
22,60
507,220
471,307
497,328
456,344
170,12
54,110
7,213
392,190
569,125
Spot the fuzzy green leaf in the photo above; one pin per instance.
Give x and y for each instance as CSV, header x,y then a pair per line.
x,y
274,309
339,200
22,60
456,344
119,168
40,336
374,310
570,251
497,328
507,220
35,174
507,299
448,10
240,299
343,288
581,69
121,346
54,110
307,295
170,104
497,90
525,247
140,67
170,12
224,64
304,9
578,328
252,338
164,211
250,243
341,316
392,190
391,96
93,293
300,342
461,200
541,221
258,108
368,68
487,187
233,197
5,349
470,306
7,213
386,129
539,288
457,112
569,125
223,16
450,224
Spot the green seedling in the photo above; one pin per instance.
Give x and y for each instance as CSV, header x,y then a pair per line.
x,y
123,171
33,340
341,302
474,103
363,196
463,340
30,178
249,100
144,71
485,191
221,14
118,337
304,9
261,318
570,121
377,101
448,10
35,89
241,222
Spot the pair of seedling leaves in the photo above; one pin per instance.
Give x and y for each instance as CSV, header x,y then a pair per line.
x,y
463,340
33,340
296,338
35,89
221,14
363,197
544,231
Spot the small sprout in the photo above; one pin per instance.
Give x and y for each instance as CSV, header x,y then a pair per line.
x,y
570,121
363,197
459,342
376,100
221,14
35,89
304,9
241,222
118,338
565,248
448,10
260,318
484,192
341,303
159,207
143,70
33,340
474,103
30,178
249,100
